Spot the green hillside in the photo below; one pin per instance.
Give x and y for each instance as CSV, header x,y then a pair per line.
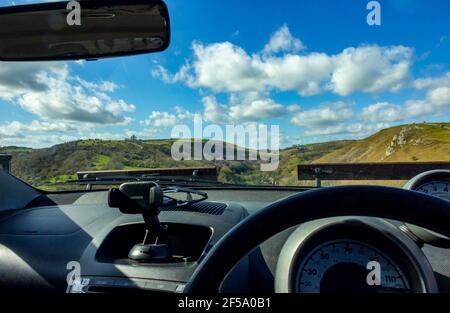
x,y
41,167
405,143
61,162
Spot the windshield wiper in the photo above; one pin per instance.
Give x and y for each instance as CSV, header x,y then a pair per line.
x,y
187,180
89,181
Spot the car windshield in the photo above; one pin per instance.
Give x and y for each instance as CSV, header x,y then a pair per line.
x,y
283,93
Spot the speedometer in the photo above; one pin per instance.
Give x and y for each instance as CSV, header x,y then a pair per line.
x,y
352,255
341,266
439,189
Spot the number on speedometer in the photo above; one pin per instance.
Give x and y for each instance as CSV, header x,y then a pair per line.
x,y
440,189
341,266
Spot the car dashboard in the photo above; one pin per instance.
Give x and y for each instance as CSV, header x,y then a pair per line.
x,y
77,235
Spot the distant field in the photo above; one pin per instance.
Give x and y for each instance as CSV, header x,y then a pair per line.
x,y
405,143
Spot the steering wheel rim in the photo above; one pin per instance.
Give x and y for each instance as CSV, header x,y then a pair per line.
x,y
375,201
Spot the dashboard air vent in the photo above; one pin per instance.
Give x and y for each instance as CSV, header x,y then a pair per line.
x,y
213,208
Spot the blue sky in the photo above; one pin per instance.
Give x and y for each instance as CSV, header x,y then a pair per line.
x,y
316,68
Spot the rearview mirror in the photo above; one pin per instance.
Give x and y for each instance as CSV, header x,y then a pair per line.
x,y
83,29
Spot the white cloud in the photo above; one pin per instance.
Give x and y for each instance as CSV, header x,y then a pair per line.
x,y
166,119
247,108
382,112
256,109
160,119
103,86
282,40
438,89
63,101
417,108
335,129
293,108
16,78
40,126
435,103
338,118
353,130
146,133
249,78
437,99
214,112
183,114
224,67
181,76
40,133
371,69
18,129
49,91
439,96
306,74
37,140
436,82
324,116
387,112
241,108
160,72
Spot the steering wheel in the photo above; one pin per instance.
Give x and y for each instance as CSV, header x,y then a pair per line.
x,y
385,202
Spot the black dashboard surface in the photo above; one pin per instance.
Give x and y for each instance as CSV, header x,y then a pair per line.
x,y
37,243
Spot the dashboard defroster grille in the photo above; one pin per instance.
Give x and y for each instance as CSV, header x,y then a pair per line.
x,y
205,207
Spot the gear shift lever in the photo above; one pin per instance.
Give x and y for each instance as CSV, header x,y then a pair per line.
x,y
143,198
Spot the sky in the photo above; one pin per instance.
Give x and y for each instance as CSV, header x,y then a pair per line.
x,y
315,68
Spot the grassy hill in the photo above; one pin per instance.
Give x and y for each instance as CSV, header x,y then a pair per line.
x,y
40,167
61,162
406,143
